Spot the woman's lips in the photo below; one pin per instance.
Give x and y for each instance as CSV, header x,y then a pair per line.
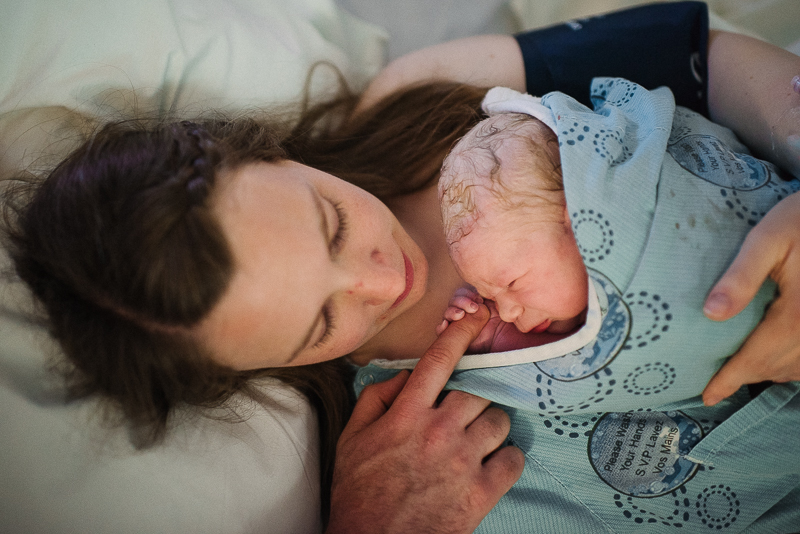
x,y
409,281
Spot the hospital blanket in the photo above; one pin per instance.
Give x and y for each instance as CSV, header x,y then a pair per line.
x,y
615,436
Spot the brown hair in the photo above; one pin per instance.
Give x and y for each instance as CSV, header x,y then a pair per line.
x,y
120,248
394,148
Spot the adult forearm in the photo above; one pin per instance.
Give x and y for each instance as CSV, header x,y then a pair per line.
x,y
750,92
483,60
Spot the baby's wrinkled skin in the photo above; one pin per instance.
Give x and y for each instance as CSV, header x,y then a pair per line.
x,y
509,234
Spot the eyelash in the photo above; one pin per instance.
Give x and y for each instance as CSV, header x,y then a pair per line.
x,y
335,246
341,233
330,326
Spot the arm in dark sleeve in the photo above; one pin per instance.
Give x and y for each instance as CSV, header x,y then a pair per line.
x,y
652,45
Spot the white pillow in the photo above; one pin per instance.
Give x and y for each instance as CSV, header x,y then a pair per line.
x,y
68,62
109,59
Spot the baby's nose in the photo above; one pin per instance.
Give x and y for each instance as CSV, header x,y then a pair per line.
x,y
508,309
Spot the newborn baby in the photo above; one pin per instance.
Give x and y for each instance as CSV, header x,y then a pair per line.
x,y
509,234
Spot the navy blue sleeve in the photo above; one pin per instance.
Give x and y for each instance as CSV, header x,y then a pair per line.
x,y
652,45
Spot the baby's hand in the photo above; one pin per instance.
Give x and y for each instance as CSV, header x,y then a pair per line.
x,y
496,335
466,300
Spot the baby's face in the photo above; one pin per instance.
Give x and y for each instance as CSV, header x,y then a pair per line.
x,y
531,269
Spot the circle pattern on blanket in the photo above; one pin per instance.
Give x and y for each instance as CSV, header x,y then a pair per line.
x,y
563,426
737,201
641,453
711,160
675,516
594,235
783,188
603,388
651,318
614,330
717,507
624,90
614,144
738,205
650,379
609,143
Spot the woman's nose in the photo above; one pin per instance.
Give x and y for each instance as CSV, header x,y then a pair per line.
x,y
376,281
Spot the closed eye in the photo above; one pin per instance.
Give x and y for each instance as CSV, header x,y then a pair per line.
x,y
341,230
330,326
335,246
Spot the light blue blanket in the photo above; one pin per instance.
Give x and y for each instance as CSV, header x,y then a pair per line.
x,y
615,435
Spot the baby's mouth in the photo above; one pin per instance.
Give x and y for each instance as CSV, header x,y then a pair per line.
x,y
541,327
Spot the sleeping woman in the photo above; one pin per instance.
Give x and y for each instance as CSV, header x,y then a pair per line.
x,y
178,261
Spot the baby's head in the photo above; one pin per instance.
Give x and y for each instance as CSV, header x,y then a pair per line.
x,y
506,223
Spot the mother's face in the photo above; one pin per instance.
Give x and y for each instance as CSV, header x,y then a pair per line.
x,y
321,266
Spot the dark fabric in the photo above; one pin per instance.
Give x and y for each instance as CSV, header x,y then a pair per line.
x,y
652,45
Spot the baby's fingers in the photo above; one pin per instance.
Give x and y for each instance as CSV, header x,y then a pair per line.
x,y
463,303
470,293
453,314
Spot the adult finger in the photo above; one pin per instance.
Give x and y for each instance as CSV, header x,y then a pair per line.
x,y
767,354
437,364
744,367
501,470
373,402
753,264
489,430
462,408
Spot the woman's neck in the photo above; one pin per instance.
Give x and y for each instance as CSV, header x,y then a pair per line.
x,y
409,335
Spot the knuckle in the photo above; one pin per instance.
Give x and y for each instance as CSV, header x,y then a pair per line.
x,y
438,438
512,461
497,421
437,355
461,461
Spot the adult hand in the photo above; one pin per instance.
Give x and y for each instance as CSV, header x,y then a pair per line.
x,y
772,351
407,462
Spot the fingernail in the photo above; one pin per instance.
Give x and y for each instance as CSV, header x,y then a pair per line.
x,y
711,401
473,307
717,304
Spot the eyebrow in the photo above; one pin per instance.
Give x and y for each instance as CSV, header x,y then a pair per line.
x,y
325,231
